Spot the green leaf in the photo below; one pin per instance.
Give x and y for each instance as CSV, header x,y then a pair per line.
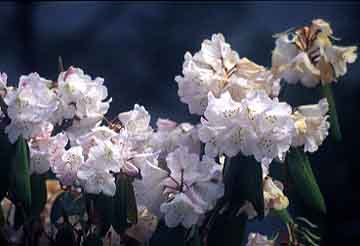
x,y
300,171
19,217
227,229
67,204
131,204
3,238
125,208
20,182
65,236
2,217
194,237
38,194
93,240
103,212
243,181
7,152
334,121
164,235
283,215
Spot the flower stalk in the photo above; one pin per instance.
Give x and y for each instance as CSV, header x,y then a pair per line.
x,y
335,126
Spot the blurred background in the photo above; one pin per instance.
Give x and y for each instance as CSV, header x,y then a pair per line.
x,y
139,47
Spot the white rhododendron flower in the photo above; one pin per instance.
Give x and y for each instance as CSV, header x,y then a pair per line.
x,y
181,210
46,150
149,190
66,168
217,68
258,126
63,123
170,135
100,133
80,127
3,81
137,124
312,126
192,187
96,180
274,197
31,104
339,57
105,155
208,70
224,126
81,99
56,147
39,161
272,124
104,152
256,239
188,174
250,76
108,152
309,55
185,191
39,149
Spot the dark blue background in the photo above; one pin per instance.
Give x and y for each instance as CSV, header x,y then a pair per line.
x,y
138,48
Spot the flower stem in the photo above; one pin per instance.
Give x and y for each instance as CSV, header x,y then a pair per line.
x,y
284,215
334,122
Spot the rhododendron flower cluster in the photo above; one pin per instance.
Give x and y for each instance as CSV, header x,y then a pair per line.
x,y
308,55
217,68
177,171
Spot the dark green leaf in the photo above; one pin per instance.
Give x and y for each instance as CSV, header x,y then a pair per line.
x,y
227,229
68,204
304,180
65,236
164,235
334,121
19,217
103,211
2,217
131,204
38,194
283,215
3,238
93,240
7,152
20,182
125,209
243,181
194,239
120,207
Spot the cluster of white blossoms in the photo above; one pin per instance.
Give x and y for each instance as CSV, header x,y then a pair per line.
x,y
241,112
64,125
62,122
170,135
182,191
308,55
311,125
218,68
37,106
258,126
261,126
31,105
82,100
